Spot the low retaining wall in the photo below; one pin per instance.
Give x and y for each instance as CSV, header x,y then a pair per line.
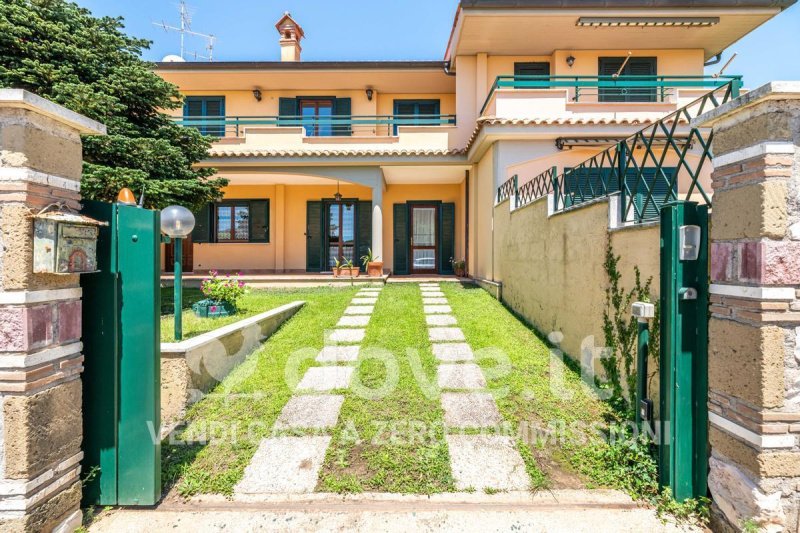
x,y
194,366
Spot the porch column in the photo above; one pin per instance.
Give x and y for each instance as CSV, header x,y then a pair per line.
x,y
377,220
754,331
40,320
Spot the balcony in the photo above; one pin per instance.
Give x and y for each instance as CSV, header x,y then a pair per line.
x,y
597,98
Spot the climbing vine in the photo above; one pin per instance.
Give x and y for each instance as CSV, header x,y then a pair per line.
x,y
620,333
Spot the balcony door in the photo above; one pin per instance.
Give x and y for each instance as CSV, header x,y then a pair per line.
x,y
424,244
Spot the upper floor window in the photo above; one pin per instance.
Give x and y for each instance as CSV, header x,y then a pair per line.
x,y
205,113
416,113
320,116
532,68
636,66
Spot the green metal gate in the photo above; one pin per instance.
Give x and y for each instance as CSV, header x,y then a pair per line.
x,y
683,451
121,393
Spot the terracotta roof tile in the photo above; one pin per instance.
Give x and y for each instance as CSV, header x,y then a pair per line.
x,y
266,152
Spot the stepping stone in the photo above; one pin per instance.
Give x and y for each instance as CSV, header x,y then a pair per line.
x,y
284,465
445,334
353,321
325,378
368,294
310,412
364,301
338,354
424,285
436,309
359,310
470,410
440,320
346,335
433,294
484,462
466,376
434,301
453,352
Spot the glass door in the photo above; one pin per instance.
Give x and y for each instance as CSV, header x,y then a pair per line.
x,y
423,239
317,117
341,233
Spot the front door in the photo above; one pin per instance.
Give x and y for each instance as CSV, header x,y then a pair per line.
x,y
424,243
341,233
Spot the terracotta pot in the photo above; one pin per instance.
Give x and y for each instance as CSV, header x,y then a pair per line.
x,y
460,272
375,269
343,272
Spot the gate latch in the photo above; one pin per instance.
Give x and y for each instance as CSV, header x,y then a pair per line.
x,y
687,293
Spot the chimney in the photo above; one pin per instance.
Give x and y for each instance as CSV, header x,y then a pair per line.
x,y
291,33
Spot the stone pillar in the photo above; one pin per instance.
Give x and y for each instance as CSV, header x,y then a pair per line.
x,y
40,320
377,221
754,353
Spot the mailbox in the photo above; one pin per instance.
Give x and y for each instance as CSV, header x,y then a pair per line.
x,y
64,243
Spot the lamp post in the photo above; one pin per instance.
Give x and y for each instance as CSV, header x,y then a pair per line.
x,y
177,223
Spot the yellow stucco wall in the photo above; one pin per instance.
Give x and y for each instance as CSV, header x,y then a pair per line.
x,y
482,193
286,250
552,268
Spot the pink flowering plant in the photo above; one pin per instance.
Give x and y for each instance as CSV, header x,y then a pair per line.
x,y
228,289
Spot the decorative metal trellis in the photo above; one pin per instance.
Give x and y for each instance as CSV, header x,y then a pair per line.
x,y
645,168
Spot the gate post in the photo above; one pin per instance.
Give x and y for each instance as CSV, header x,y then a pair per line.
x,y
40,320
754,348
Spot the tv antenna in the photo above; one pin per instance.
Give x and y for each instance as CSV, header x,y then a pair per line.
x,y
185,29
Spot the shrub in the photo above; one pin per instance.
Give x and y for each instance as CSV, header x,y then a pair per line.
x,y
227,289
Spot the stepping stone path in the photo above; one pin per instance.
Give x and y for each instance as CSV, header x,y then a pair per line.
x,y
291,465
478,462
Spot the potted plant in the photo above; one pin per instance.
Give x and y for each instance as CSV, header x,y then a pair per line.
x,y
373,265
459,267
345,269
222,296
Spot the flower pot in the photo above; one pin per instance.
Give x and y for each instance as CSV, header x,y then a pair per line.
x,y
460,272
213,309
375,269
344,272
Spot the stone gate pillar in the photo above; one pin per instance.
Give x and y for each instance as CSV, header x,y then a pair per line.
x,y
754,333
40,320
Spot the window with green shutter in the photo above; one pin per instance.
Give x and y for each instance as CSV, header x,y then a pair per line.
x,y
320,116
636,66
401,240
532,68
416,113
232,221
206,113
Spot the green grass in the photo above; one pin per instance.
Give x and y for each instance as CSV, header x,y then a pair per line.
x,y
522,385
253,303
378,445
241,410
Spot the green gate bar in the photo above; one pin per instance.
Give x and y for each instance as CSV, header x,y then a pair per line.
x,y
683,453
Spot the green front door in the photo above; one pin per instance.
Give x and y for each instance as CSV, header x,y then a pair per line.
x,y
424,237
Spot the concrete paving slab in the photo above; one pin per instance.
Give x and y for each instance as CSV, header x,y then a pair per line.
x,y
353,321
432,294
453,352
338,354
445,334
484,462
364,301
470,410
284,465
440,320
310,412
348,336
359,310
325,378
437,309
465,376
434,301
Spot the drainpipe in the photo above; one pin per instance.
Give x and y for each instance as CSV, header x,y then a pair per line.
x,y
714,60
447,69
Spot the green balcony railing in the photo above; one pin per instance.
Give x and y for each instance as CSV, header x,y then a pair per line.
x,y
608,89
316,126
660,163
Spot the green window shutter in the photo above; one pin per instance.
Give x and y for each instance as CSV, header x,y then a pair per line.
x,y
642,66
363,230
447,237
406,110
287,107
206,107
202,224
659,186
314,236
537,68
400,239
342,108
259,221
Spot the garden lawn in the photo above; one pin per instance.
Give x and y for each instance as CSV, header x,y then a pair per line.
x,y
252,303
241,410
530,400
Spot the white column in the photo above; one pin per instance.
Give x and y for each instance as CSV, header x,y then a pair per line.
x,y
377,221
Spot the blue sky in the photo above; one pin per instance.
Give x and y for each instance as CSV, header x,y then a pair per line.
x,y
384,29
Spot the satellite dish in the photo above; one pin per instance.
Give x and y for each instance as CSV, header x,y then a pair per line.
x,y
172,58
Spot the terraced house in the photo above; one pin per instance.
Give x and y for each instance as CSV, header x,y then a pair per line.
x,y
328,159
